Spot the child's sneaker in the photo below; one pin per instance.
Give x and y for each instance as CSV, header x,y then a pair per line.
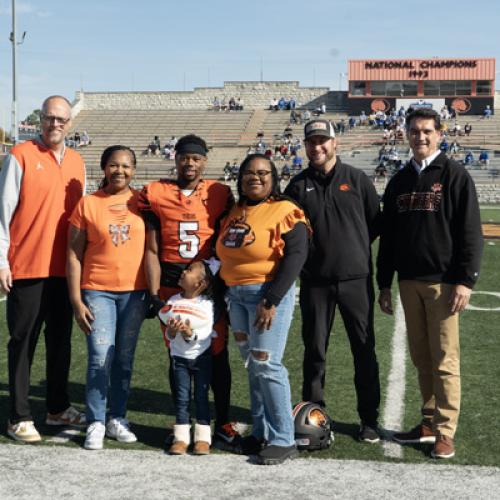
x,y
95,436
24,431
118,428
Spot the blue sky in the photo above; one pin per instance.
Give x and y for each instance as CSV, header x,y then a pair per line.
x,y
163,45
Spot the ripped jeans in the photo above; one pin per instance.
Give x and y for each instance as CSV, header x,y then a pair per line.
x,y
263,351
111,347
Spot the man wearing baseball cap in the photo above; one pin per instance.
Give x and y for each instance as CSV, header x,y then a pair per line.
x,y
344,211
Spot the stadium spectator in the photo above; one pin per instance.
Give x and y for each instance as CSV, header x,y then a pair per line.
x,y
108,292
285,172
306,115
342,205
454,148
457,129
227,171
216,104
320,110
469,158
295,117
431,236
363,119
484,158
154,147
296,164
445,113
232,104
85,139
260,273
235,168
487,112
77,139
444,146
33,233
172,142
467,129
240,104
291,103
193,205
189,342
273,105
282,104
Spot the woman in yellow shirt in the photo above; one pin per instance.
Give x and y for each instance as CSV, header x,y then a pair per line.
x,y
262,246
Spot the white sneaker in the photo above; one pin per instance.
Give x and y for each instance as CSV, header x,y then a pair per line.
x,y
95,436
118,428
24,431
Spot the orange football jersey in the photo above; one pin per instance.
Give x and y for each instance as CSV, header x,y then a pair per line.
x,y
187,223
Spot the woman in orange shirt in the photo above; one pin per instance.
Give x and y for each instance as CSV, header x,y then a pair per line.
x,y
107,289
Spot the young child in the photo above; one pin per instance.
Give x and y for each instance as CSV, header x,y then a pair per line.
x,y
188,317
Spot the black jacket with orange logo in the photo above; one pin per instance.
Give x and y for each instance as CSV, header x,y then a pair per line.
x,y
344,211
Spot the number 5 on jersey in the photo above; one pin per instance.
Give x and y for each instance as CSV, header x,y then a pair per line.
x,y
189,240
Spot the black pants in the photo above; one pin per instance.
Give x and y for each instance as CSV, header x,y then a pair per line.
x,y
355,300
220,384
30,304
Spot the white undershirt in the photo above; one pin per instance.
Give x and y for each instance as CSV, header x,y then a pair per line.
x,y
425,162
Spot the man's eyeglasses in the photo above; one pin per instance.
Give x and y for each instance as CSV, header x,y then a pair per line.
x,y
262,174
55,119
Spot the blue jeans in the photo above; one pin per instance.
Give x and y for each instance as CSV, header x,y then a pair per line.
x,y
268,379
200,371
111,347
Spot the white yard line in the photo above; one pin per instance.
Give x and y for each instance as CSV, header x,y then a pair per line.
x,y
394,403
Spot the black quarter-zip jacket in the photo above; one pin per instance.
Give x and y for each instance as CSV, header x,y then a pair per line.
x,y
431,227
344,210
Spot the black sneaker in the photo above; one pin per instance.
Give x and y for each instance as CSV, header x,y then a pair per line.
x,y
249,445
275,455
226,437
368,433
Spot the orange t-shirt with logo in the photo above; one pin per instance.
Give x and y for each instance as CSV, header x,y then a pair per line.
x,y
113,259
250,242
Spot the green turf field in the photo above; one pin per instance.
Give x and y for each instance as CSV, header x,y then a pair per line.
x,y
151,409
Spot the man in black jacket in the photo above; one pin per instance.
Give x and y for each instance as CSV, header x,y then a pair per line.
x,y
343,208
432,237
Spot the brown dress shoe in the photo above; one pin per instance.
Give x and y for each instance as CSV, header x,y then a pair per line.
x,y
420,434
201,448
178,448
444,447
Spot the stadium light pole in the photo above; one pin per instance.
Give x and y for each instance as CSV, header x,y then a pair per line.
x,y
14,129
15,43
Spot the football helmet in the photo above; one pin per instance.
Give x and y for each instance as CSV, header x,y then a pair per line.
x,y
312,426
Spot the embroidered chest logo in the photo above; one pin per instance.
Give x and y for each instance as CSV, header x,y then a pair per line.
x,y
119,233
344,187
426,201
39,166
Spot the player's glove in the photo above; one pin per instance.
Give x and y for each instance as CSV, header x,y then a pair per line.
x,y
155,304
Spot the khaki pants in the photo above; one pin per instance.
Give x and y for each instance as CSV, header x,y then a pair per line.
x,y
435,350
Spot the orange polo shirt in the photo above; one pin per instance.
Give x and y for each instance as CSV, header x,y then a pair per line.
x,y
113,259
